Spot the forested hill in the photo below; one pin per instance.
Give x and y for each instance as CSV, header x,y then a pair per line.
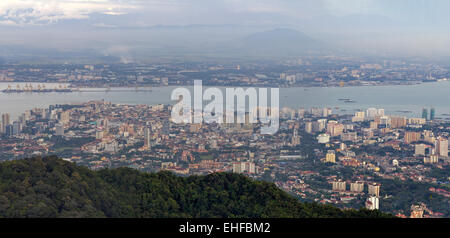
x,y
51,187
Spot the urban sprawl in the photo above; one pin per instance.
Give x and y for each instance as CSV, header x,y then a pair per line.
x,y
366,159
350,161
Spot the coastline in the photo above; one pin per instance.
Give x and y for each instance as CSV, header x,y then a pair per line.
x,y
140,87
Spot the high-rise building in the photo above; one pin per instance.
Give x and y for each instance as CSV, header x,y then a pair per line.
x,y
330,157
339,185
384,121
432,113
308,127
411,136
244,167
300,113
64,117
17,128
442,147
417,121
374,189
371,113
147,138
59,129
9,130
359,116
326,112
5,122
357,187
316,112
373,203
431,160
398,122
428,136
321,124
419,150
320,112
349,136
27,115
295,138
425,114
334,128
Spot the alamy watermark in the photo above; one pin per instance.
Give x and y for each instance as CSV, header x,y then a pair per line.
x,y
235,106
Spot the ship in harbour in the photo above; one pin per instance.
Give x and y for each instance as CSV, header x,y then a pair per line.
x,y
37,89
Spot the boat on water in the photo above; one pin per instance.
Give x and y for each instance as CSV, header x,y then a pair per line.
x,y
346,100
402,111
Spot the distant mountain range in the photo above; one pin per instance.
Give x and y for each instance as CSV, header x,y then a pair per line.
x,y
265,44
279,42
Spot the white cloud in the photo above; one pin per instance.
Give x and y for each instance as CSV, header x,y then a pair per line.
x,y
103,25
22,12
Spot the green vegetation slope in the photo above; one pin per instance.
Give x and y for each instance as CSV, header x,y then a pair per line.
x,y
51,187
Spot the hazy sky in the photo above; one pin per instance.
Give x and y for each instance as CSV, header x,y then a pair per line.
x,y
181,12
419,26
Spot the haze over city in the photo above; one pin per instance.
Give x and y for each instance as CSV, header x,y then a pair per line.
x,y
135,30
225,109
